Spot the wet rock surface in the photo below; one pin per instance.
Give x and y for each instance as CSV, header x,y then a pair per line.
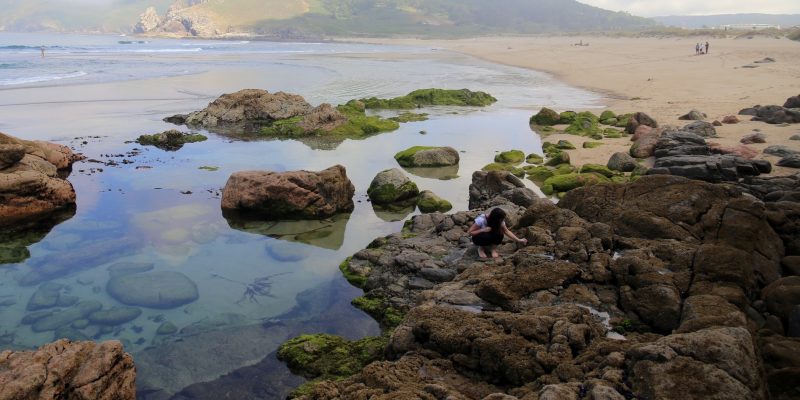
x,y
68,370
30,187
288,195
662,288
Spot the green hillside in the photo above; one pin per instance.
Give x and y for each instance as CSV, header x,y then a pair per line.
x,y
74,15
331,17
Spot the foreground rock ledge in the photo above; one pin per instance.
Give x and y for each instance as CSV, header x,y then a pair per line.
x,y
288,195
69,370
30,185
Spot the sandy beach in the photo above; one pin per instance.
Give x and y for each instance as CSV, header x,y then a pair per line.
x,y
660,76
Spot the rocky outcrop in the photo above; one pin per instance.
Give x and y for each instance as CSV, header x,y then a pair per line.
x,y
30,186
773,114
148,21
324,117
288,195
68,370
639,119
491,188
687,154
662,288
246,107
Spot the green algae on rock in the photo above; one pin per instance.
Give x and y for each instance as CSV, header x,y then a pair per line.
x,y
410,117
598,169
428,202
504,167
380,309
558,158
545,117
534,158
591,145
510,157
171,140
432,97
351,123
391,186
567,182
584,124
427,157
355,276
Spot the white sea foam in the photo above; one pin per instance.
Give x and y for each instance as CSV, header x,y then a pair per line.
x,y
41,78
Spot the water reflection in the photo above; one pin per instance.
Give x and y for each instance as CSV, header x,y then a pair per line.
x,y
440,173
15,239
394,213
328,233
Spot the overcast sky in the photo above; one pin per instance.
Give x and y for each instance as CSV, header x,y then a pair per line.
x,y
655,8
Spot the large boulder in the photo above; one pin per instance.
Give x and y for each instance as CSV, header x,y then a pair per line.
x,y
424,156
30,186
638,119
324,117
545,117
645,139
622,162
289,195
792,102
160,290
69,370
390,187
248,106
491,188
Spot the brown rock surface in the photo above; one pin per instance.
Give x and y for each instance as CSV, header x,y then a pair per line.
x,y
249,106
324,117
289,195
29,184
68,370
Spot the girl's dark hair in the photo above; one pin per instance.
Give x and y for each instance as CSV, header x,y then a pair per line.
x,y
496,218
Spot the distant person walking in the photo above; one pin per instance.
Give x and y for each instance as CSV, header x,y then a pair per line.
x,y
42,49
697,49
706,47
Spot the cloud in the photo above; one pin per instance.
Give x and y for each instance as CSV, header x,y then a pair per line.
x,y
652,8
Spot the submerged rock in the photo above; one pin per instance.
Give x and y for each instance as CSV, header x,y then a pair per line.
x,y
289,195
160,290
171,140
65,317
115,316
68,370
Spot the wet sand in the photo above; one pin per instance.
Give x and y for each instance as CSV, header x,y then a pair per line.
x,y
662,77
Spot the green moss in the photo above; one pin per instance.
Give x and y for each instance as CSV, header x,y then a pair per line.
x,y
547,189
607,114
567,182
612,133
171,140
432,203
547,129
388,193
538,174
558,158
504,167
406,157
358,126
285,128
330,357
598,169
545,117
209,168
584,124
622,120
610,121
410,117
567,117
621,179
534,158
379,308
432,97
510,157
564,169
549,149
591,145
640,170
565,145
352,276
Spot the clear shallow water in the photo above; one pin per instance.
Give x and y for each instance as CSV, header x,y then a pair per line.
x,y
137,212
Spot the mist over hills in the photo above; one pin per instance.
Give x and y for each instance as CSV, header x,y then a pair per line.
x,y
710,21
314,17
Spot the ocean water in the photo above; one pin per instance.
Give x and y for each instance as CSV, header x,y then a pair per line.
x,y
159,211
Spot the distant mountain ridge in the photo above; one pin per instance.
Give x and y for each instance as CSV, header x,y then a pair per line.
x,y
710,21
317,17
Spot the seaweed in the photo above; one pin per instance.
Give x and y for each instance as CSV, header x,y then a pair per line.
x,y
259,287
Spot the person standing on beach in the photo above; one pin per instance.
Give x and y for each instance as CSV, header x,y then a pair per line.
x,y
42,49
697,49
706,47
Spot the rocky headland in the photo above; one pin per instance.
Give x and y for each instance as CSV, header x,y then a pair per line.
x,y
663,288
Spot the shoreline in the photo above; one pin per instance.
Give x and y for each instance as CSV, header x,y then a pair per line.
x,y
660,76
